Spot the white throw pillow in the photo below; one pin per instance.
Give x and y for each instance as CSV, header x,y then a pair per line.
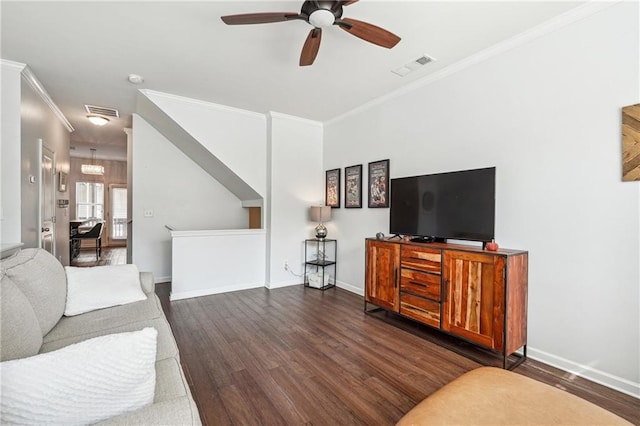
x,y
100,287
82,383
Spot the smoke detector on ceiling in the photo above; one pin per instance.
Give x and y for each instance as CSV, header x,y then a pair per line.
x,y
135,79
414,65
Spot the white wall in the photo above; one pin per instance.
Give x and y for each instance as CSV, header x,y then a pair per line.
x,y
211,262
179,193
237,137
547,115
28,115
10,153
281,160
295,183
39,120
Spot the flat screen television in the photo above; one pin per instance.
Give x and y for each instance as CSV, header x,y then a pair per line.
x,y
455,205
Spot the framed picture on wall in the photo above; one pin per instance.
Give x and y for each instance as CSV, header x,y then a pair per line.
x,y
332,188
379,184
353,187
630,138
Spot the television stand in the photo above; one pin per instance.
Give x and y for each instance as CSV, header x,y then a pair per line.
x,y
477,295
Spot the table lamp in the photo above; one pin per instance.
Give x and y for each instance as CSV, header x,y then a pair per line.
x,y
320,214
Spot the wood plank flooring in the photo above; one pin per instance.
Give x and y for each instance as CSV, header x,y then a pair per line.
x,y
299,356
109,256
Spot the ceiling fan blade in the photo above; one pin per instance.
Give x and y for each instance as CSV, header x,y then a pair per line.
x,y
348,2
259,18
369,32
311,47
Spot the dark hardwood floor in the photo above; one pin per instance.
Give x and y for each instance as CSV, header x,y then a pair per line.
x,y
109,256
299,356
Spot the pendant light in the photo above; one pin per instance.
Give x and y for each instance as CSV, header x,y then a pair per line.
x,y
93,168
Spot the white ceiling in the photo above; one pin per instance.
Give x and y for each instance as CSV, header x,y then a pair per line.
x,y
82,52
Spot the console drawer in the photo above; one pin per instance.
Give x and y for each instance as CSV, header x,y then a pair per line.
x,y
422,258
423,310
420,283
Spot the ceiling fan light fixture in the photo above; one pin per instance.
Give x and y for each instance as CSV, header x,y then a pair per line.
x,y
322,18
98,120
320,15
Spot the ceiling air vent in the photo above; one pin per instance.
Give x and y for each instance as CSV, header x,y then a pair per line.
x,y
413,65
104,111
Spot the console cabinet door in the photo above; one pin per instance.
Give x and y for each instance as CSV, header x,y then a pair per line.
x,y
381,280
474,300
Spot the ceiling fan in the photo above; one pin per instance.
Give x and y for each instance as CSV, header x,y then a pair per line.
x,y
319,14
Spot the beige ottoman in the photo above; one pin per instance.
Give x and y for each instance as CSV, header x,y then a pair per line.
x,y
491,396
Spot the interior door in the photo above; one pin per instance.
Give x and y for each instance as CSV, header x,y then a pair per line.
x,y
47,200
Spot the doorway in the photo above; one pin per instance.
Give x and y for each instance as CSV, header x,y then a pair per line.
x,y
117,215
47,210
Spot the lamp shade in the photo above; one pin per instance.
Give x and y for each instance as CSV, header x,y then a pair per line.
x,y
320,214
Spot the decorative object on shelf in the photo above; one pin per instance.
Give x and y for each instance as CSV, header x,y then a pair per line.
x,y
62,182
332,188
320,263
320,214
492,246
318,280
380,236
353,187
93,168
379,184
631,143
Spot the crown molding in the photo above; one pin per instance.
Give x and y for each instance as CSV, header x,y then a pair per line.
x,y
274,114
209,105
33,81
547,27
15,66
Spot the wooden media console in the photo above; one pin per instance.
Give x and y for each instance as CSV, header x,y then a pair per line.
x,y
471,293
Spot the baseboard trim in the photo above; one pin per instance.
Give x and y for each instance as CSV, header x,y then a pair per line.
x,y
166,279
609,380
353,289
210,291
280,284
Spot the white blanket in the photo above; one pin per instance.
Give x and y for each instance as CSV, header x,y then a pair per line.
x,y
100,287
